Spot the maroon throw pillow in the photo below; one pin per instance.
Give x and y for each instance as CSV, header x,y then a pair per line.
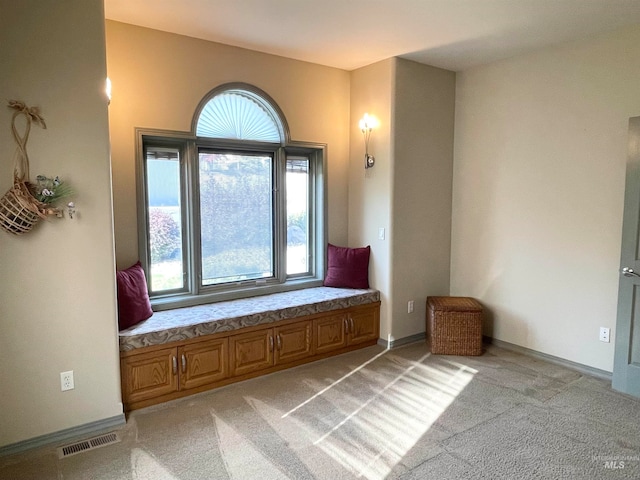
x,y
133,298
347,267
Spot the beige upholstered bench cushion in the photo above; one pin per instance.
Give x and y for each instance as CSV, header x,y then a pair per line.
x,y
189,322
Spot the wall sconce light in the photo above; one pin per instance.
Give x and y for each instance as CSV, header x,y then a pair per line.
x,y
367,124
107,90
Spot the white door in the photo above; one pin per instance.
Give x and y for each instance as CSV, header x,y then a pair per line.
x,y
626,368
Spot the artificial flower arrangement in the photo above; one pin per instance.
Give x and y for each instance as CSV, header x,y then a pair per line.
x,y
49,191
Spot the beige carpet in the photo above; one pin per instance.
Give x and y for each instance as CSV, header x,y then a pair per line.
x,y
375,414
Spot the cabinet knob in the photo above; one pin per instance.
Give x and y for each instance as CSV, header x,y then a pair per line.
x,y
184,364
271,343
279,342
174,360
351,323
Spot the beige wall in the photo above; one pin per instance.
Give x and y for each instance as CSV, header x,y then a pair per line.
x,y
57,290
408,192
540,151
370,190
422,175
159,79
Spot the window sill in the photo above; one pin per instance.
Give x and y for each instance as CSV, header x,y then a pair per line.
x,y
180,301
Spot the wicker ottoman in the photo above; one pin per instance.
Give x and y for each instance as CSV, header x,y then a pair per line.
x,y
454,325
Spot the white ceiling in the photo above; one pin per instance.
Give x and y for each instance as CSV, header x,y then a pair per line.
x,y
348,34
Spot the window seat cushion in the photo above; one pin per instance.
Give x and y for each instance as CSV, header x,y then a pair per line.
x,y
190,322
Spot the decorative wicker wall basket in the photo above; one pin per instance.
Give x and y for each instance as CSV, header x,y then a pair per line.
x,y
20,211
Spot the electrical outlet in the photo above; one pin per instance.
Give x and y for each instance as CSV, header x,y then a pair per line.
x,y
604,334
410,306
66,381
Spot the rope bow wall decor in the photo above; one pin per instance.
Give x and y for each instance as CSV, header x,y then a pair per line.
x,y
26,203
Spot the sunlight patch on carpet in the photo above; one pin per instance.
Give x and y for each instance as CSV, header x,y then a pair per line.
x,y
374,437
370,418
299,435
241,458
337,382
361,425
146,467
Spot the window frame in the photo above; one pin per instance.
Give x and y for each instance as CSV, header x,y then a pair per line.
x,y
240,147
189,145
144,214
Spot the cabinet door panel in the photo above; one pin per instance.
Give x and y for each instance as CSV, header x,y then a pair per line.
x,y
203,363
250,352
149,375
329,333
364,326
293,342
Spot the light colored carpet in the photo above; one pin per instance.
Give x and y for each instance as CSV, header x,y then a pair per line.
x,y
375,414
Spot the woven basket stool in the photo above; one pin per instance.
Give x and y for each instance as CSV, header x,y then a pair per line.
x,y
454,325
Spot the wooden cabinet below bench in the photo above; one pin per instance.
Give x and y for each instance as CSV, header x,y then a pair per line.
x,y
156,373
159,373
346,329
267,347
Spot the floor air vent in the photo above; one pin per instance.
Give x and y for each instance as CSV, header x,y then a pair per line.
x,y
86,445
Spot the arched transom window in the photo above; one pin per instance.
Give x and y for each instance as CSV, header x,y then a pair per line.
x,y
232,208
240,114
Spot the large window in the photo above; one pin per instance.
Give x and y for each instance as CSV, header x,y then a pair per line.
x,y
233,208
